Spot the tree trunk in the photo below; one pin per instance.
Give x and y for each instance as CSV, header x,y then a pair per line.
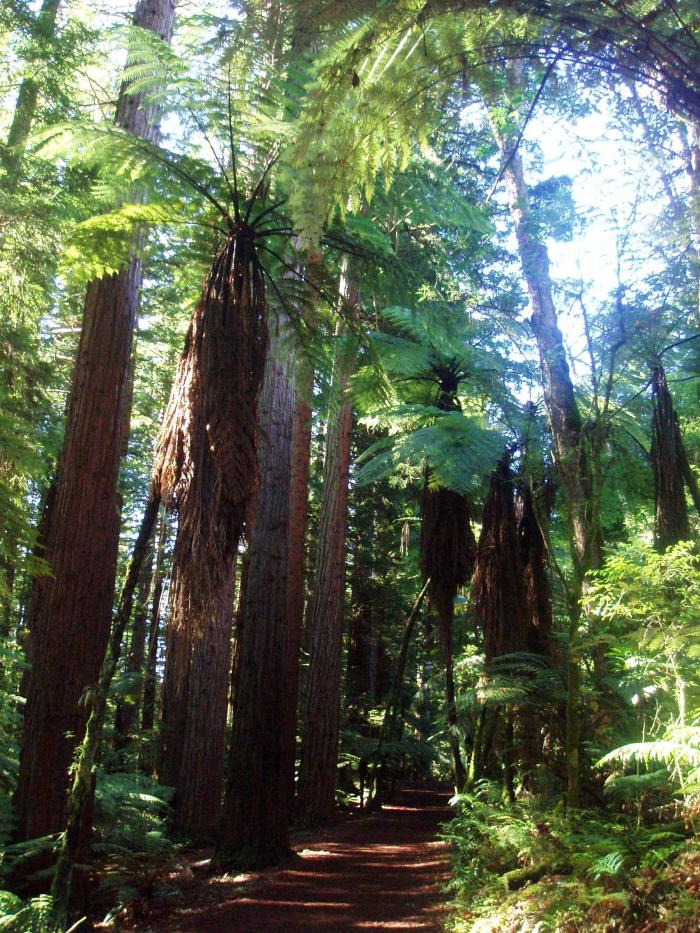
x,y
576,463
175,696
44,28
671,523
447,625
146,755
358,686
127,708
693,169
321,723
391,713
83,782
73,606
149,687
254,829
200,781
296,552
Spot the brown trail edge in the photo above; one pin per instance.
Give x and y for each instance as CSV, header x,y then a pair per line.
x,y
381,872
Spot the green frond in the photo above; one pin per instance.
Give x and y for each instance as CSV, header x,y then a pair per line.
x,y
457,449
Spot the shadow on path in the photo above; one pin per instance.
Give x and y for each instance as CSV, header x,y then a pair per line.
x,y
380,872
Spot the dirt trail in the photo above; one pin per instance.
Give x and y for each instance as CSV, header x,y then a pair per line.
x,y
381,872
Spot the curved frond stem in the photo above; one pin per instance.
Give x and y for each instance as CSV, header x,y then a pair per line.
x,y
276,231
234,169
268,210
300,275
261,181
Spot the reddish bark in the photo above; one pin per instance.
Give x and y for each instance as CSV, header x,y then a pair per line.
x,y
535,560
73,606
498,590
127,709
321,723
671,522
256,807
298,509
146,754
201,772
176,678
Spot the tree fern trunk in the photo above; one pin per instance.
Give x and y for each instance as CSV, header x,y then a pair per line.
x,y
668,459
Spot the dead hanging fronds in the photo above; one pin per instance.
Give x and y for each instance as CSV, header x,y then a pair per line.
x,y
534,558
498,590
206,456
447,548
668,460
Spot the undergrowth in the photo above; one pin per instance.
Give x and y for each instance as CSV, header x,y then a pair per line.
x,y
529,866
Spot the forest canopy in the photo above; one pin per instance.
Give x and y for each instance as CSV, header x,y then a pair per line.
x,y
349,435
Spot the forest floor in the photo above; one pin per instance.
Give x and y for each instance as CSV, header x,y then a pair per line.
x,y
382,871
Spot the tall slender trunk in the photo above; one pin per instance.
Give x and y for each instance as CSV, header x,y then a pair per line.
x,y
148,707
668,461
127,709
446,626
321,722
359,662
150,682
44,28
201,772
296,553
692,159
255,820
389,728
175,695
73,606
575,460
83,782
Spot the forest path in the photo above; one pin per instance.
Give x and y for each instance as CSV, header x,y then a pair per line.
x,y
379,872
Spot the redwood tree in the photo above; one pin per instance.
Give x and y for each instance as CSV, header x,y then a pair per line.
x,y
575,457
321,708
254,829
72,607
199,781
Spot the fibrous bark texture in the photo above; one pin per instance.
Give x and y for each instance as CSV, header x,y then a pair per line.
x,y
72,607
78,822
668,460
296,551
321,718
533,554
127,709
447,554
206,464
254,829
498,591
176,682
199,785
